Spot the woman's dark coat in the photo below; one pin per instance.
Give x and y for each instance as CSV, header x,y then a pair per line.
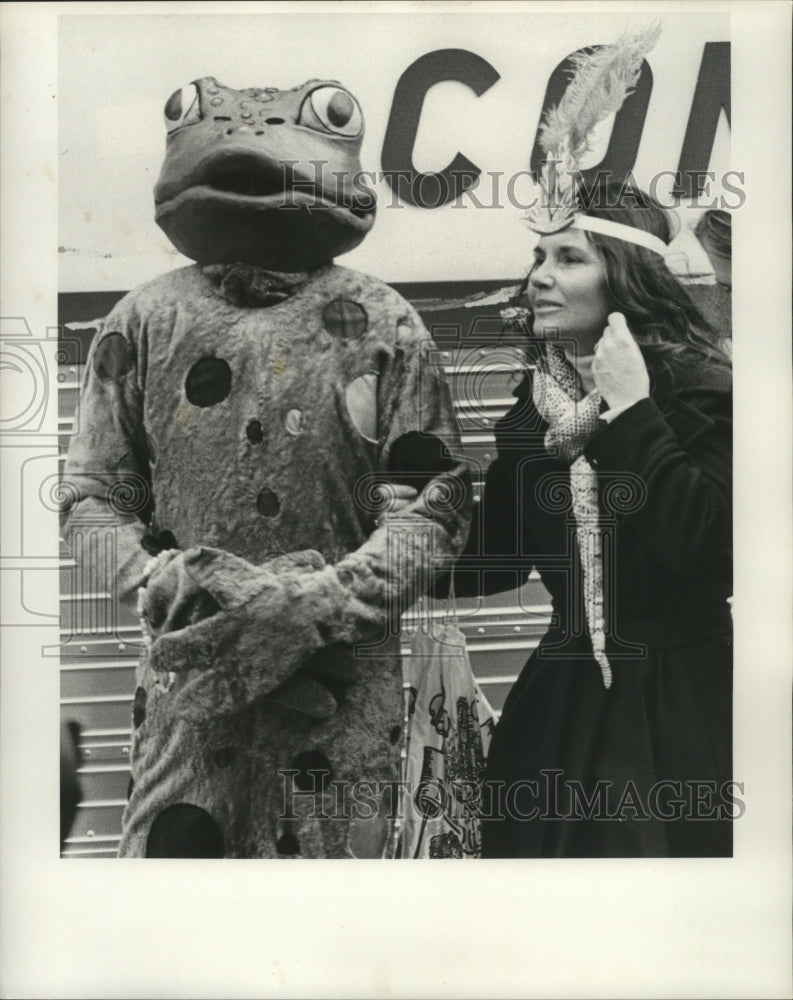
x,y
645,767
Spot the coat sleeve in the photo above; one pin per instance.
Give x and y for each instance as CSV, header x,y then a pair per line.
x,y
106,484
484,566
494,558
680,466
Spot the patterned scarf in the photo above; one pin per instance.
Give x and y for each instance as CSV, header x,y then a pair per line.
x,y
572,418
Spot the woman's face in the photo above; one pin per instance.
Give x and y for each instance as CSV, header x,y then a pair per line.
x,y
567,290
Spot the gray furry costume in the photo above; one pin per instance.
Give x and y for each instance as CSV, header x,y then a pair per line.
x,y
241,416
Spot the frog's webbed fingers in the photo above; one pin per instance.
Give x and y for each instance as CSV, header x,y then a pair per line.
x,y
214,692
221,691
194,647
200,582
305,694
231,581
258,646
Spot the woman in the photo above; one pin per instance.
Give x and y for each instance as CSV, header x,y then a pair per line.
x,y
613,479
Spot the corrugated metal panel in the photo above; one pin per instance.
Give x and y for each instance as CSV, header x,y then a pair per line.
x,y
100,644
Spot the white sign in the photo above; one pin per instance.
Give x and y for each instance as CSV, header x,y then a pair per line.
x,y
115,79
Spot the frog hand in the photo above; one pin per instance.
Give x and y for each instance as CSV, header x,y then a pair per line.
x,y
265,628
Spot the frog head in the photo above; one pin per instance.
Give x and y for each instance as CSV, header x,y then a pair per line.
x,y
263,176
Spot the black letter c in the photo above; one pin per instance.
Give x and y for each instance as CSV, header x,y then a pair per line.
x,y
430,190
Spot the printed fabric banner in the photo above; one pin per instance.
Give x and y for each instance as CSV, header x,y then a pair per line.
x,y
449,730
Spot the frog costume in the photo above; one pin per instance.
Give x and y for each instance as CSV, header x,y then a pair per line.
x,y
240,417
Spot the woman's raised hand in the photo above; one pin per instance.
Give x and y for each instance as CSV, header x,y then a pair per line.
x,y
619,370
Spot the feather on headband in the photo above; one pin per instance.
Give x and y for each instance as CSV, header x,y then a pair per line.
x,y
601,81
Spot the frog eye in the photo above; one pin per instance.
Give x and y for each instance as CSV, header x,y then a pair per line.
x,y
334,110
182,108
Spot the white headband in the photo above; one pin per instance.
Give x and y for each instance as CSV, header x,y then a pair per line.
x,y
685,256
628,234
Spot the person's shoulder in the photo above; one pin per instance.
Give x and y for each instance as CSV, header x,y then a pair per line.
x,y
348,282
707,376
171,287
700,376
698,394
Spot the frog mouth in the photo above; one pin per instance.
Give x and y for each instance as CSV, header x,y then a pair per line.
x,y
249,182
263,184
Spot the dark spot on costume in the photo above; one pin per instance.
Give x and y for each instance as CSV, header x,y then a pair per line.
x,y
167,540
396,732
268,504
287,843
208,382
255,432
150,544
139,707
345,319
415,459
314,771
184,831
113,357
130,787
225,756
154,544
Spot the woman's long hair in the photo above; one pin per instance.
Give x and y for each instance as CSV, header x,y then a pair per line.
x,y
669,327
